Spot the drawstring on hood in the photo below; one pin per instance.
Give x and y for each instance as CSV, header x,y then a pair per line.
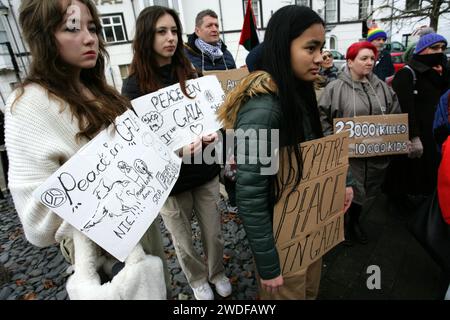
x,y
346,76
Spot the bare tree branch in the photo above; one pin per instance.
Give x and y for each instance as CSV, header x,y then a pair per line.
x,y
431,9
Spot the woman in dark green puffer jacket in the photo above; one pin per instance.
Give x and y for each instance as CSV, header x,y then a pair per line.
x,y
280,97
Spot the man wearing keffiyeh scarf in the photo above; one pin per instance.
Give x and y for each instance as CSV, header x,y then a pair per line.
x,y
204,48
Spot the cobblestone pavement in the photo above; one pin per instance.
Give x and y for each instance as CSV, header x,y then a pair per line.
x,y
407,271
29,273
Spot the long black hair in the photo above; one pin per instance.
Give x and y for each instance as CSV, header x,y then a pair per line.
x,y
295,96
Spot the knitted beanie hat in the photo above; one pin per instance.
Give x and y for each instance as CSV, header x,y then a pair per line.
x,y
375,34
428,40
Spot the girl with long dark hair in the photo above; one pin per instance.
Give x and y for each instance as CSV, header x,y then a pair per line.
x,y
158,62
281,97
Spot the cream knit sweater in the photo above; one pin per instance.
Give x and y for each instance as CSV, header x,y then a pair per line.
x,y
40,136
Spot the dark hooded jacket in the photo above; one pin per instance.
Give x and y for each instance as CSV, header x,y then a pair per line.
x,y
419,99
384,66
203,62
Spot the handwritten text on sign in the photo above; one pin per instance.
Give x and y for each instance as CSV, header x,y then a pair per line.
x,y
316,204
113,188
229,79
177,119
375,135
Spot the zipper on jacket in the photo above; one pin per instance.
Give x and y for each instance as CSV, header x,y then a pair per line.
x,y
368,98
365,159
365,174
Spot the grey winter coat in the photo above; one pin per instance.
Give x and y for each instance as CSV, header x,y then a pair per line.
x,y
344,98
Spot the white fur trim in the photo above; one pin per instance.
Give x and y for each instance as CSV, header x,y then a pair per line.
x,y
142,278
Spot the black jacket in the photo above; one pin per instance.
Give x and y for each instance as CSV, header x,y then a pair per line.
x,y
200,59
384,67
419,101
191,175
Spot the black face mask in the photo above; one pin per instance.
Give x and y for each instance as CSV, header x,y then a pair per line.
x,y
431,60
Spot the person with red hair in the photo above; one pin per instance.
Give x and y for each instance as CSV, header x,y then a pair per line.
x,y
358,92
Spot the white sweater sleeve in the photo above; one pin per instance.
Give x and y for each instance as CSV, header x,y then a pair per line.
x,y
39,139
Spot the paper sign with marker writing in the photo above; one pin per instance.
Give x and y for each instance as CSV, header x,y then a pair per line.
x,y
308,221
113,188
177,119
371,136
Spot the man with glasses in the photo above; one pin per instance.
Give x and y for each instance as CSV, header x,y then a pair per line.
x,y
383,66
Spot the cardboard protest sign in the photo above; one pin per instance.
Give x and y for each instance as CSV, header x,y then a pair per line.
x,y
229,78
308,222
371,136
303,251
177,119
113,188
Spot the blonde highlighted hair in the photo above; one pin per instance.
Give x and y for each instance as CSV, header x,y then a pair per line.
x,y
256,83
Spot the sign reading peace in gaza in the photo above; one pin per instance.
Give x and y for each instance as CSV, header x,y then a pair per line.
x,y
309,221
113,188
177,119
371,136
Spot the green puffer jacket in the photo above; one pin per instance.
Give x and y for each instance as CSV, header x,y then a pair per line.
x,y
253,191
254,105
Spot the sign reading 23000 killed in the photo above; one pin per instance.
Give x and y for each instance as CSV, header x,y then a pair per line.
x,y
113,188
371,136
178,120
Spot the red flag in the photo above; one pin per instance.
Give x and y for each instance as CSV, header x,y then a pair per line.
x,y
249,37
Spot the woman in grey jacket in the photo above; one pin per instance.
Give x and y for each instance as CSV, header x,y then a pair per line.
x,y
358,92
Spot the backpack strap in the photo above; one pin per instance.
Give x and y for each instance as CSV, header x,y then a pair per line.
x,y
414,77
448,107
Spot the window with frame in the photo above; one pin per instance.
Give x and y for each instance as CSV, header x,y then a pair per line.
x,y
363,9
162,3
256,11
331,11
333,42
412,5
3,39
113,28
303,3
3,36
124,71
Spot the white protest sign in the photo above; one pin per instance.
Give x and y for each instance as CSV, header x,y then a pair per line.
x,y
177,119
113,188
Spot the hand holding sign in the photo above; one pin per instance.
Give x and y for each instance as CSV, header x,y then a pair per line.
x,y
114,187
210,138
192,148
178,119
348,198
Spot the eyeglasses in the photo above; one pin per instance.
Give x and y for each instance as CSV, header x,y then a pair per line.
x,y
326,56
438,46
